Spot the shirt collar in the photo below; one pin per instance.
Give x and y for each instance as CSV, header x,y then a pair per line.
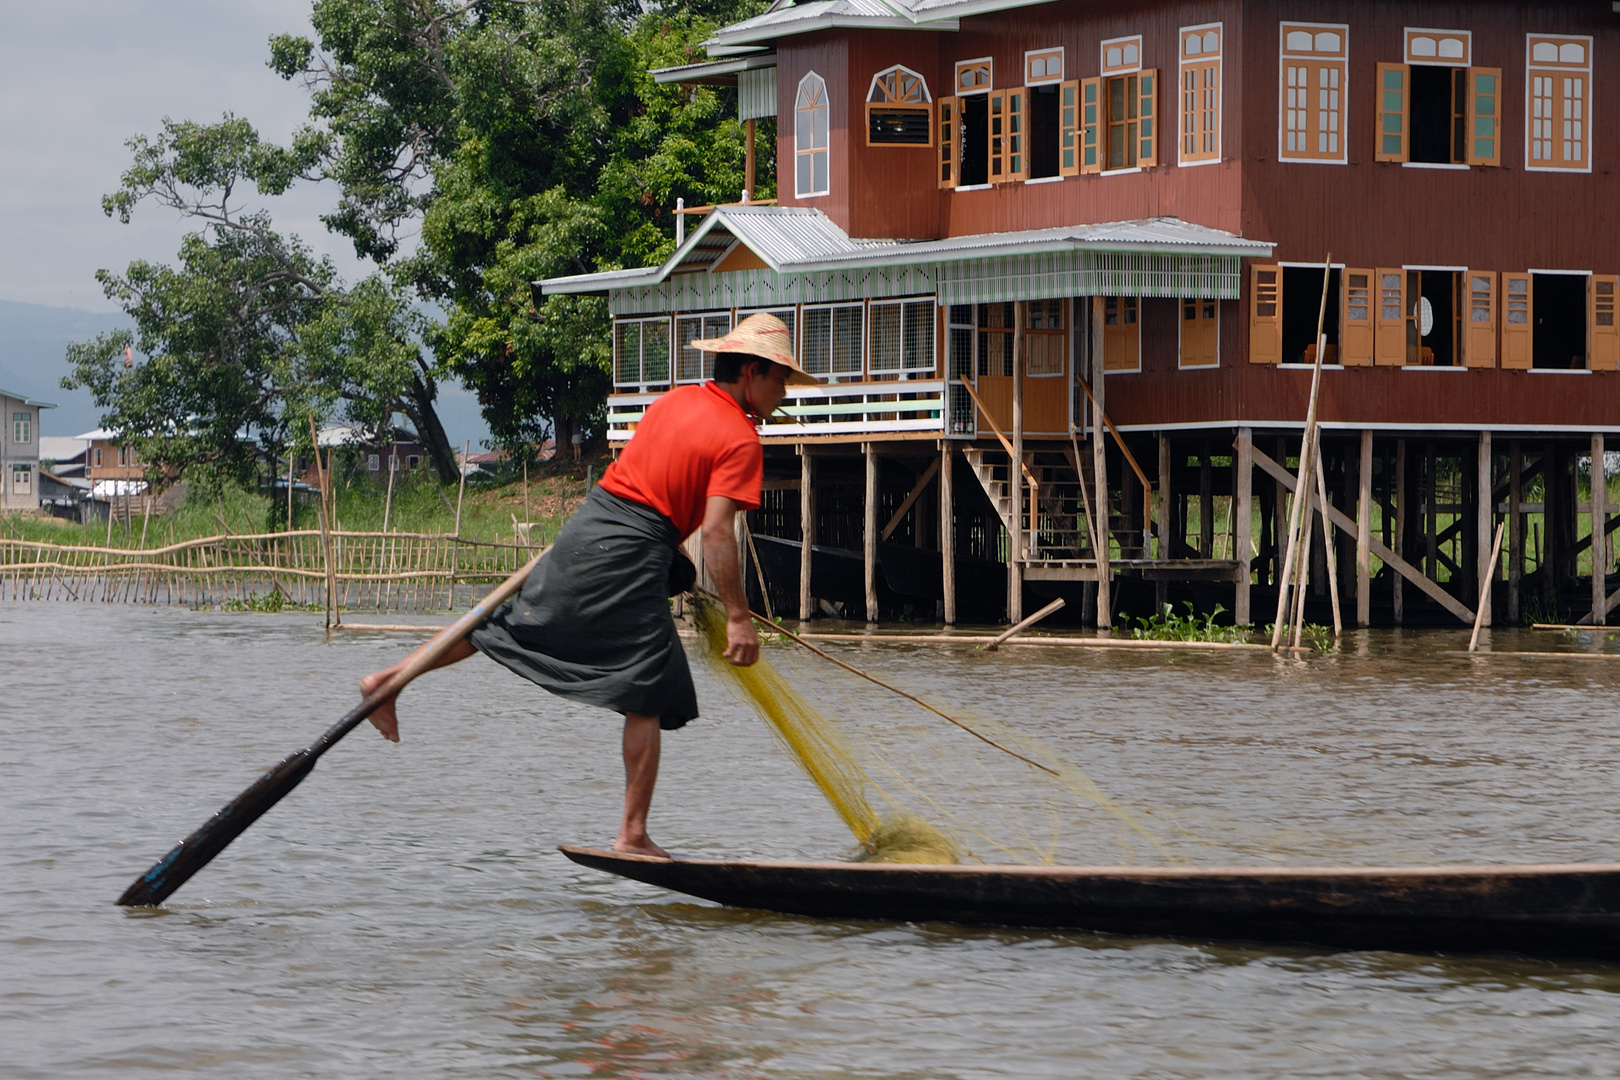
x,y
714,388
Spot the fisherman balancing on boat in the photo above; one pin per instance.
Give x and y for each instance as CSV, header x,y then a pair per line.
x,y
593,621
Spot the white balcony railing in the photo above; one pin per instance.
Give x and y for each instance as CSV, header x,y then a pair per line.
x,y
865,408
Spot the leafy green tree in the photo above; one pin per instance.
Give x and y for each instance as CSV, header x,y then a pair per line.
x,y
525,139
249,334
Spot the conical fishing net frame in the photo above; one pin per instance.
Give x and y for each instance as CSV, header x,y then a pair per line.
x,y
915,787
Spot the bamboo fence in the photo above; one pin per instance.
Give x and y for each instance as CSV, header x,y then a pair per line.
x,y
367,571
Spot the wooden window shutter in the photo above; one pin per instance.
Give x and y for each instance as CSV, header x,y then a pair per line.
x,y
1069,128
1018,134
1265,313
1484,116
996,132
1602,335
1389,317
1516,324
1392,113
1091,125
1479,331
947,142
1147,153
1356,318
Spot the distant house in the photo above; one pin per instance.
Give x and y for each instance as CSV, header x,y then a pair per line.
x,y
63,456
111,466
19,451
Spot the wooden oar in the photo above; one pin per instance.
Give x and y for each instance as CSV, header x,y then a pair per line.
x,y
197,850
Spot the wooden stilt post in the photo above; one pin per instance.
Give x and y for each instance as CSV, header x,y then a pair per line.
x,y
1515,528
1243,494
1398,598
1329,548
1167,522
947,528
1364,500
1600,535
1431,512
869,534
807,527
1099,463
1015,479
1206,503
1279,518
1485,518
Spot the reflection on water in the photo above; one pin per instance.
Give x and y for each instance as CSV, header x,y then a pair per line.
x,y
405,912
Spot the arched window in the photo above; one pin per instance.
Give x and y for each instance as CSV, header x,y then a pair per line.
x,y
811,168
898,109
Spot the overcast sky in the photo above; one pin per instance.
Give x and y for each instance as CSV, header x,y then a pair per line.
x,y
79,77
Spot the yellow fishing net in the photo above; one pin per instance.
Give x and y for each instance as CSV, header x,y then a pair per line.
x,y
917,785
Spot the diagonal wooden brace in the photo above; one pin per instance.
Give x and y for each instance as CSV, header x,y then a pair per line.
x,y
1392,560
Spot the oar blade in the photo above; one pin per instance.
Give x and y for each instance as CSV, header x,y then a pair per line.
x,y
197,850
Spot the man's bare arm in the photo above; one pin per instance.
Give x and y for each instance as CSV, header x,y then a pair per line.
x,y
720,558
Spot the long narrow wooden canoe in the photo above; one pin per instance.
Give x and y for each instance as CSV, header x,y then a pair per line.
x,y
1569,910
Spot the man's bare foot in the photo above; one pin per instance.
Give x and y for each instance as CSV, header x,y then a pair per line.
x,y
382,717
639,846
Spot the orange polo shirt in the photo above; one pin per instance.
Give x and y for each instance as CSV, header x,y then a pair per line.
x,y
693,442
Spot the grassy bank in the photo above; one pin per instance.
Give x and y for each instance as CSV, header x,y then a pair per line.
x,y
419,504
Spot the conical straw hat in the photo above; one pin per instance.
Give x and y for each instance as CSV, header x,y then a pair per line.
x,y
764,336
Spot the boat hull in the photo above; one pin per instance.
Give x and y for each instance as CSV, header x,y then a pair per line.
x,y
1568,910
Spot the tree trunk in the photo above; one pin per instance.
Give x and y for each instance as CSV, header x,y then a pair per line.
x,y
417,404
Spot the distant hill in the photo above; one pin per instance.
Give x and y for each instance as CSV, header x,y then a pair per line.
x,y
33,346
33,349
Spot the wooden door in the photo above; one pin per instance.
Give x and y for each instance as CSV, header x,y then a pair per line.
x,y
1046,368
994,364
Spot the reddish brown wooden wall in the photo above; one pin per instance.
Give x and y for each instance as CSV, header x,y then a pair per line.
x,y
1382,214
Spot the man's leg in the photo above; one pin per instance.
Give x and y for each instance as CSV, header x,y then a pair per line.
x,y
383,717
641,744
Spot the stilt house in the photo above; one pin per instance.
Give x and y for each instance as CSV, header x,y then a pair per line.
x,y
1063,264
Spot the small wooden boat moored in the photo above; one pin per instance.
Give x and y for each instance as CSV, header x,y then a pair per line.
x,y
1567,910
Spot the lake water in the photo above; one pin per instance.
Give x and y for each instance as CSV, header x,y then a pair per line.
x,y
405,913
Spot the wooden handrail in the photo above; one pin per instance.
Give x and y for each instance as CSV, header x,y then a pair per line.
x,y
1005,445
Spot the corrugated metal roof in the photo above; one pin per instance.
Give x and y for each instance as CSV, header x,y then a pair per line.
x,y
824,15
796,239
718,71
25,399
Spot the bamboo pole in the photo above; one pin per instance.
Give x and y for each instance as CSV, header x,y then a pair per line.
x,y
1485,590
1015,467
1023,624
1302,482
947,529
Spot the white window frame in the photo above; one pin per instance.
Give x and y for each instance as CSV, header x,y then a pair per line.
x,y
22,428
1411,59
906,369
21,471
642,384
956,76
1531,70
1047,79
1125,66
1183,62
832,376
704,331
1283,56
799,151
